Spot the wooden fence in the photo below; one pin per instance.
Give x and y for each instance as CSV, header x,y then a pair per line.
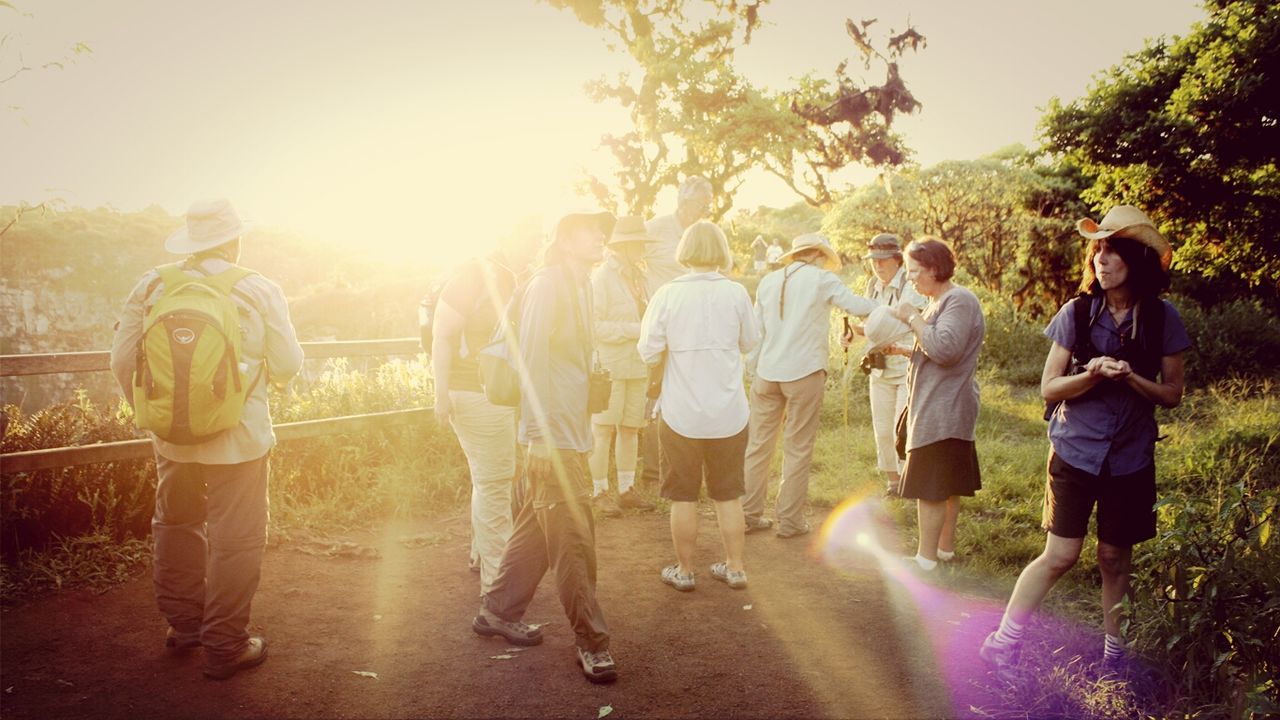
x,y
77,362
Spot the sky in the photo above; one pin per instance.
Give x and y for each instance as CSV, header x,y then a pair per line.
x,y
430,126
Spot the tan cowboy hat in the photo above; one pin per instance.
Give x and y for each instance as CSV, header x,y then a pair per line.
x,y
883,247
883,329
812,241
629,228
1129,222
210,223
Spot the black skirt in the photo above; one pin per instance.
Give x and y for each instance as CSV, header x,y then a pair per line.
x,y
940,470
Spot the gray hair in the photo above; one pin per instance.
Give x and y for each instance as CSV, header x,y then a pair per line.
x,y
693,186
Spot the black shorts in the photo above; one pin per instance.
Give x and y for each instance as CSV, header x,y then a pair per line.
x,y
685,459
1126,503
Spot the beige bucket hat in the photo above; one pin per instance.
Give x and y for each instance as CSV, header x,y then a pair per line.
x,y
630,228
210,223
813,241
1129,222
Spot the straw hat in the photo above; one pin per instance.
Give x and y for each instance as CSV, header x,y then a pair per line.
x,y
629,228
812,241
883,329
1126,221
883,247
210,223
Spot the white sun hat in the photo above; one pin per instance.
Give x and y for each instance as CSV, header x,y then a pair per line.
x,y
210,223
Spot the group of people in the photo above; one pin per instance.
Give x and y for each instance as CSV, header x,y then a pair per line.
x,y
632,341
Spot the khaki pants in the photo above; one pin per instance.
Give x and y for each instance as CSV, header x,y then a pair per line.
x,y
888,397
487,434
799,402
554,530
210,528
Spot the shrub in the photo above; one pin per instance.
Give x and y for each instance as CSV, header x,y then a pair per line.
x,y
1239,338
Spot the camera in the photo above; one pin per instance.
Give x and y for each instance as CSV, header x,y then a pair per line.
x,y
872,361
599,387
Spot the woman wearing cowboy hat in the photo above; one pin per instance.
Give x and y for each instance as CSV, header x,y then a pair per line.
x,y
618,301
1117,353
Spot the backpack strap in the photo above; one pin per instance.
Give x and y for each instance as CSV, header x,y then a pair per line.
x,y
1083,349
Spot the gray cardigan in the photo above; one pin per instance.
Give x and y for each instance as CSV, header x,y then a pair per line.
x,y
942,390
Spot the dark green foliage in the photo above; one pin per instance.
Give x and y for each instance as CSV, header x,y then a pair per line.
x,y
1241,337
1189,130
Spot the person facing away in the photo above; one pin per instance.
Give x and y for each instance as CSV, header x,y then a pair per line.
x,y
793,310
554,528
1116,354
693,203
942,399
471,301
887,371
773,256
702,322
618,301
210,521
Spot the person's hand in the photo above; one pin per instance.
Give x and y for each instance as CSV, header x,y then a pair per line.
x,y
846,339
1116,369
444,409
1094,368
905,312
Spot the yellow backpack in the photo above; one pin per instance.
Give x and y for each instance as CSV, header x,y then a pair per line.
x,y
189,384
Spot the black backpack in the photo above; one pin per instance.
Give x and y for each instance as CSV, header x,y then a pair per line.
x,y
1144,354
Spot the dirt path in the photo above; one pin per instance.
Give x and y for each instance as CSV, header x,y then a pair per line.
x,y
816,641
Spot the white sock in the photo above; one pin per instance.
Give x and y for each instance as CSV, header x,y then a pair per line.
x,y
626,480
925,563
946,555
1010,632
1112,647
601,486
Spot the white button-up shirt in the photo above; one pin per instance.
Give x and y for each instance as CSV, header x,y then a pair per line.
x,y
704,322
795,325
898,290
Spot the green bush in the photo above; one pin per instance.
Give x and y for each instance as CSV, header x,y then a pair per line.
x,y
1238,338
1014,348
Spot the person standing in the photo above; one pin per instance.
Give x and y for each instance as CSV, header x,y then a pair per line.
x,y
773,256
759,254
471,301
210,522
1116,354
793,310
693,203
619,298
887,371
554,528
700,324
942,399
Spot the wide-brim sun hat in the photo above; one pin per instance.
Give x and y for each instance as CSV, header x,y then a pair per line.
x,y
813,241
883,247
602,219
210,223
883,329
1129,222
629,228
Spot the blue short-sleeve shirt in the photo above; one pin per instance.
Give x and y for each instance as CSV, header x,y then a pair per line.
x,y
1111,426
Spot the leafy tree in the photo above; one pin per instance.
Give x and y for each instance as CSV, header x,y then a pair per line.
x,y
1009,219
771,223
693,112
1186,129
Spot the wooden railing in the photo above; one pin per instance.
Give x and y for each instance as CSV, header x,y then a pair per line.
x,y
76,362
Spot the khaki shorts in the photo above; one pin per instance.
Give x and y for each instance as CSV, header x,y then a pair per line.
x,y
626,404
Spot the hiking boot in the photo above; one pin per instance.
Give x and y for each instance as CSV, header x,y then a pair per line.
x,y
176,641
999,657
606,506
671,576
516,633
598,667
736,579
254,654
632,500
758,524
785,533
